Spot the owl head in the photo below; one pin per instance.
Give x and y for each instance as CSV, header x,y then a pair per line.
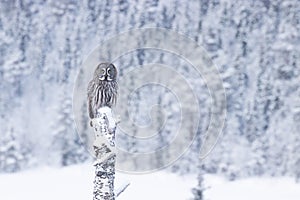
x,y
106,72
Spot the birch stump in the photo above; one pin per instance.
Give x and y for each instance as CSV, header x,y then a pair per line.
x,y
104,147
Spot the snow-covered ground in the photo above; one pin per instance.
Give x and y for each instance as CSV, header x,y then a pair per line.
x,y
76,183
252,189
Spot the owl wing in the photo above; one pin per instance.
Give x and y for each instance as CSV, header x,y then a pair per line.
x,y
90,95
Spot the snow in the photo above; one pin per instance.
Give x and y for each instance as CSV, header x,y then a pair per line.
x,y
252,188
108,112
159,185
46,183
76,182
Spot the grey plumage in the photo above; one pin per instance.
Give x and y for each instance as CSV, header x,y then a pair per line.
x,y
102,89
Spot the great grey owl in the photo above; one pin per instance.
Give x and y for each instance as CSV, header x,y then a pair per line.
x,y
102,89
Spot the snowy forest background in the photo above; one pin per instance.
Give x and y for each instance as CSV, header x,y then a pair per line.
x,y
254,44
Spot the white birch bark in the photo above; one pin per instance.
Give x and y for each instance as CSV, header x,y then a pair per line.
x,y
104,146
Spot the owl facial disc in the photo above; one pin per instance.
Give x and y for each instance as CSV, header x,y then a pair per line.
x,y
105,75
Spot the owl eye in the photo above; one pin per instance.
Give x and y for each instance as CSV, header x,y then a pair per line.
x,y
102,74
109,75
